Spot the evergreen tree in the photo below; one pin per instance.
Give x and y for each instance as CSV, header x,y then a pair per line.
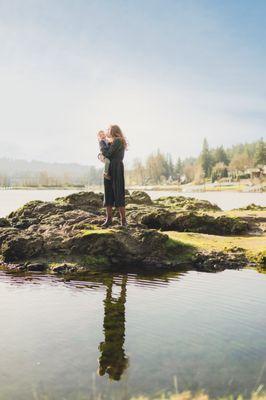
x,y
170,165
220,156
206,159
179,167
260,154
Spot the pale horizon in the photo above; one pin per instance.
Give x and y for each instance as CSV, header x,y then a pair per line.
x,y
169,73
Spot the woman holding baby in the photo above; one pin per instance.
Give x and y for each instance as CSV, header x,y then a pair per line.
x,y
112,146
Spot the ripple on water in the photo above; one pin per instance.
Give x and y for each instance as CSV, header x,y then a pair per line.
x,y
206,329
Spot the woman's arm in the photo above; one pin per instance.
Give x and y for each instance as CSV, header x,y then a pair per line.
x,y
115,146
103,145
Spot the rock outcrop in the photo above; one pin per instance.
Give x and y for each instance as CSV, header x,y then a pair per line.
x,y
64,236
187,203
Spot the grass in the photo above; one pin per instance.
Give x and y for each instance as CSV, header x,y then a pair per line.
x,y
224,188
178,396
174,244
242,213
95,231
200,396
254,246
179,251
215,242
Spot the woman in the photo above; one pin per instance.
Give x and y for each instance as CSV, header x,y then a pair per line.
x,y
114,188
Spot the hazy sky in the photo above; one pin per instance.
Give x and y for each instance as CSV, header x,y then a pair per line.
x,y
169,72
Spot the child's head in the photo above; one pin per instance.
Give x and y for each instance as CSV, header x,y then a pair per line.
x,y
102,134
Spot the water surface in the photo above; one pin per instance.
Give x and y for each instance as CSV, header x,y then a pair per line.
x,y
12,199
122,335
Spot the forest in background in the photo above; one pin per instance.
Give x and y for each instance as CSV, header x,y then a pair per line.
x,y
212,164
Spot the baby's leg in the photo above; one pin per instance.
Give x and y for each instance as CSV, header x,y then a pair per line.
x,y
106,165
106,168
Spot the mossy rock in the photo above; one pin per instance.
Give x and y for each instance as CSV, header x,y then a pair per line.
x,y
252,207
69,228
82,200
33,212
138,197
4,222
186,221
186,203
21,248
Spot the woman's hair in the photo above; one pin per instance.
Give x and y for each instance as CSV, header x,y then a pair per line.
x,y
115,132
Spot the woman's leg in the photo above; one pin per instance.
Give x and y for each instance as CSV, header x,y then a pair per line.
x,y
108,220
108,202
122,212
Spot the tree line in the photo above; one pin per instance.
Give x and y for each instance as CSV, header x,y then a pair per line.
x,y
211,164
158,168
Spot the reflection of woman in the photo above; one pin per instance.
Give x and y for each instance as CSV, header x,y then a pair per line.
x,y
114,188
113,360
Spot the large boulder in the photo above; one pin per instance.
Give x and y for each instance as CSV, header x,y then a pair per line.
x,y
21,247
92,247
138,197
123,247
187,203
82,200
36,211
187,221
33,212
8,233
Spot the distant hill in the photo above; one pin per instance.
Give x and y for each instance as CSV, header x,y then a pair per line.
x,y
39,173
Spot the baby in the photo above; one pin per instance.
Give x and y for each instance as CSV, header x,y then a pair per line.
x,y
104,144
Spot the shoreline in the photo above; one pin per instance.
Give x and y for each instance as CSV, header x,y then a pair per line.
x,y
162,188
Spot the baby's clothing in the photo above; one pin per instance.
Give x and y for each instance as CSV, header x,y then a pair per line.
x,y
104,144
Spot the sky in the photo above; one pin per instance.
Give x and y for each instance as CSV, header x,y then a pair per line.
x,y
168,72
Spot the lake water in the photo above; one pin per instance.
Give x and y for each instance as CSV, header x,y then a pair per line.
x,y
118,336
12,199
124,335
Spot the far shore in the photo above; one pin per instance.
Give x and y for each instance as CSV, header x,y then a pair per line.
x,y
188,188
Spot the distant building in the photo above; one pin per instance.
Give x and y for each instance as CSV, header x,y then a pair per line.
x,y
256,172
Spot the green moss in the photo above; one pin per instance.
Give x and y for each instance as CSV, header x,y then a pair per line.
x,y
95,231
95,261
56,264
258,258
179,252
174,244
252,246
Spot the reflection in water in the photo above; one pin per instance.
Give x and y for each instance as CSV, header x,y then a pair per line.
x,y
208,330
113,359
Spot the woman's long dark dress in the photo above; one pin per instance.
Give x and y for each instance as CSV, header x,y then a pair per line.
x,y
114,188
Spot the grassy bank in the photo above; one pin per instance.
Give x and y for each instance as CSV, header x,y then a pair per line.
x,y
189,188
201,396
178,396
253,246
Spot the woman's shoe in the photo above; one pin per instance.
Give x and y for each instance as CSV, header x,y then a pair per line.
x,y
107,223
124,224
